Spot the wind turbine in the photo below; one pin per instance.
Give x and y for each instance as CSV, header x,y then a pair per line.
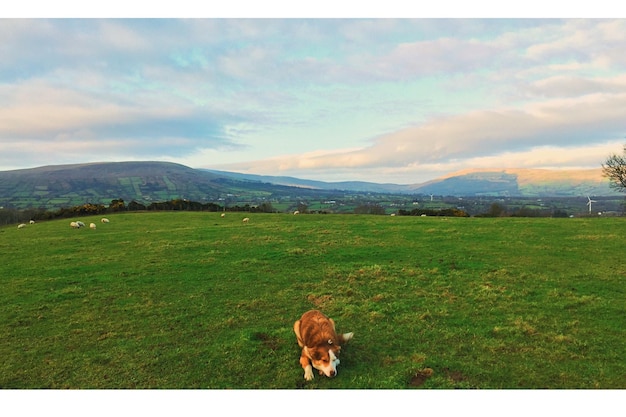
x,y
431,197
589,203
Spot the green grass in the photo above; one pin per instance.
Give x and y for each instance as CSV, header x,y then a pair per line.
x,y
191,300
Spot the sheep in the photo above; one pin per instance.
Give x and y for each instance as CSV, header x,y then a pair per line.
x,y
92,226
80,224
246,220
296,212
32,222
223,215
21,226
104,220
74,225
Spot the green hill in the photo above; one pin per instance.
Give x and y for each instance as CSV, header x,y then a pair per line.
x,y
98,183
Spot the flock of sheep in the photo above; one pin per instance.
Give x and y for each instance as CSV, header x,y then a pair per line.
x,y
92,226
23,225
73,225
79,224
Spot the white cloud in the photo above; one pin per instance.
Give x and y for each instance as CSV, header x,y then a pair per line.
x,y
539,157
382,97
554,133
121,37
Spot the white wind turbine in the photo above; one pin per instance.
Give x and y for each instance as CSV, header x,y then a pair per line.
x,y
589,203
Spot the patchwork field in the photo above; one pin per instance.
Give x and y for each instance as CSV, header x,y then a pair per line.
x,y
193,300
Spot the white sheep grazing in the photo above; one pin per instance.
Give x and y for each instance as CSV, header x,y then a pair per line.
x,y
74,225
92,226
296,212
32,222
223,215
104,220
21,226
246,220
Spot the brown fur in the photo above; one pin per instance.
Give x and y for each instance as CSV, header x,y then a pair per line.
x,y
317,337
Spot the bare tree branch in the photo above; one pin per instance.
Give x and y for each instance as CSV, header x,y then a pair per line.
x,y
614,168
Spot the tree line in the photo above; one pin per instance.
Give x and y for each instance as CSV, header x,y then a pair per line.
x,y
446,212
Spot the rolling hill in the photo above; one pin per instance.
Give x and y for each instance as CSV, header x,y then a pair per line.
x,y
69,185
477,182
354,186
145,181
520,182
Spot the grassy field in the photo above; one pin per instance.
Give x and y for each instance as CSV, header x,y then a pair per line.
x,y
192,300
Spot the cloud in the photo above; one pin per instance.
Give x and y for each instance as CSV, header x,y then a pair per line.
x,y
562,122
345,97
539,157
575,86
541,134
445,55
60,120
580,39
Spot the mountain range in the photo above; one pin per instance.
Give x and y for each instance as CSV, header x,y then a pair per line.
x,y
467,183
147,181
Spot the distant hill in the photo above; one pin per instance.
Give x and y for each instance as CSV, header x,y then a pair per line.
x,y
67,185
98,183
468,183
519,182
357,186
144,181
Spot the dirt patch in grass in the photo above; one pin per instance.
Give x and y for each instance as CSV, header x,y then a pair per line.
x,y
269,342
420,377
455,376
319,301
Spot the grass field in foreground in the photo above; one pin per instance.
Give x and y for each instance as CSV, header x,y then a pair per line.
x,y
192,300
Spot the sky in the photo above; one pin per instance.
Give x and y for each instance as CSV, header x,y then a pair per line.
x,y
386,99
